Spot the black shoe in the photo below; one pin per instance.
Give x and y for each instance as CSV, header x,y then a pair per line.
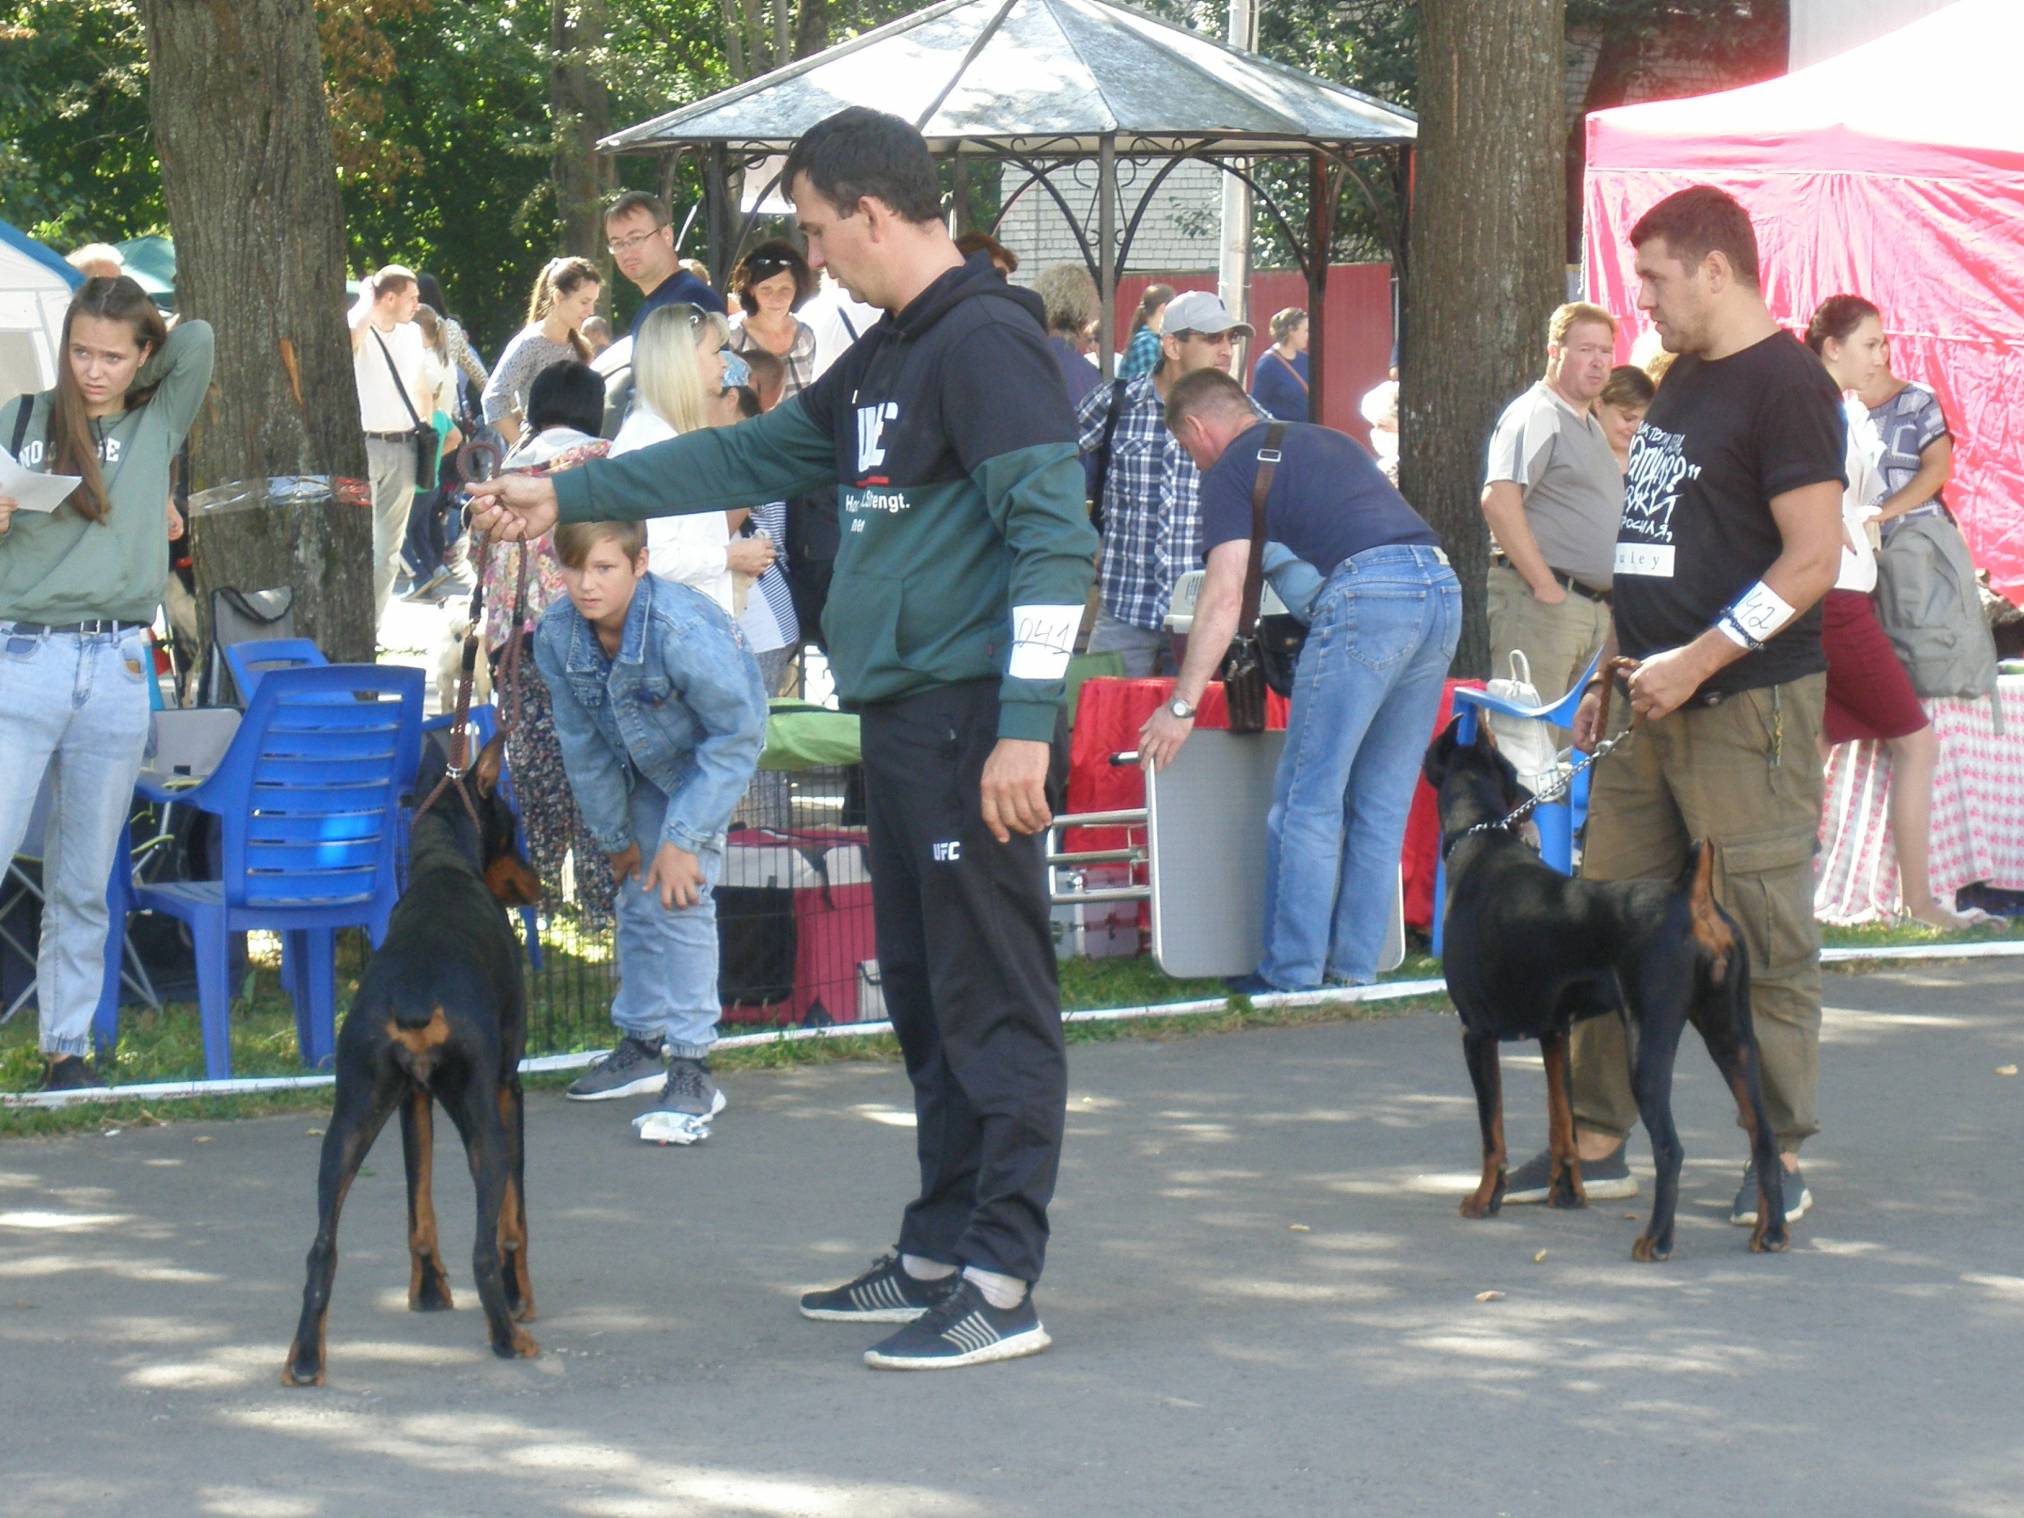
x,y
73,1074
963,1329
1253,984
883,1294
1607,1180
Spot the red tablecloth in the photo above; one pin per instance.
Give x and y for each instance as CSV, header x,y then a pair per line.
x,y
1108,717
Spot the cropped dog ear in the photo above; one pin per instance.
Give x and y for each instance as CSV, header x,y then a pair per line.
x,y
486,770
1439,754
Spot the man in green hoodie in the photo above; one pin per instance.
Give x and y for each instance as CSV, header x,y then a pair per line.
x,y
965,560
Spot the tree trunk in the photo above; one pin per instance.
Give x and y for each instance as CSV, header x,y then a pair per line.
x,y
1485,263
248,171
581,106
1617,62
811,28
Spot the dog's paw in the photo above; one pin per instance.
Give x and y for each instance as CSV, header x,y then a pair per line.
x,y
1566,1191
519,1345
1650,1251
1769,1240
431,1294
302,1369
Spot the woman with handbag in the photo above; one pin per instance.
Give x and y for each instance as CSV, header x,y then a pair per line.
x,y
78,587
1869,695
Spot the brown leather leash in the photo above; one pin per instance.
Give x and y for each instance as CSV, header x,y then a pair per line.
x,y
472,462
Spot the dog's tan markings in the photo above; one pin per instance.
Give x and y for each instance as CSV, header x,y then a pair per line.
x,y
426,1039
1488,1191
512,883
427,1281
1706,924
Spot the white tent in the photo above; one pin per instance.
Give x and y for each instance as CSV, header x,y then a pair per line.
x,y
35,288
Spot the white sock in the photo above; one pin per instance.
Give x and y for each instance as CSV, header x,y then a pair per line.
x,y
925,1270
1001,1291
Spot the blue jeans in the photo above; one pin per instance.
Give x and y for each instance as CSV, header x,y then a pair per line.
x,y
75,709
667,960
1365,695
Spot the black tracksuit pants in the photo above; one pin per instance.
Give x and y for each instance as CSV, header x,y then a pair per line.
x,y
967,964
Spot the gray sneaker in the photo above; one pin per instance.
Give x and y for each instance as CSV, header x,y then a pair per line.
x,y
1743,1211
634,1066
1607,1180
688,1102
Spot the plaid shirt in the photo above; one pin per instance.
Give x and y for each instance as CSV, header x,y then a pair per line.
x,y
1152,517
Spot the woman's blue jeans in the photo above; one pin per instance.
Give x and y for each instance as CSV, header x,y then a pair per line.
x,y
1365,694
75,708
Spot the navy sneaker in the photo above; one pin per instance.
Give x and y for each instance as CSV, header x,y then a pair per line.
x,y
1743,1211
73,1074
883,1294
963,1329
1607,1180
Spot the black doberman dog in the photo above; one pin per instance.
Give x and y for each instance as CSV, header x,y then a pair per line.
x,y
441,1015
1528,953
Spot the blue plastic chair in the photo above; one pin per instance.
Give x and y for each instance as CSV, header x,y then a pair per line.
x,y
250,660
484,726
1558,819
308,798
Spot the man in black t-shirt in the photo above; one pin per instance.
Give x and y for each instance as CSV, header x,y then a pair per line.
x,y
1382,630
1730,537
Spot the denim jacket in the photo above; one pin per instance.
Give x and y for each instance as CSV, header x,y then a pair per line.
x,y
681,703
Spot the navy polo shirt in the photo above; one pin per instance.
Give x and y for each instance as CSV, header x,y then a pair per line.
x,y
680,285
1328,502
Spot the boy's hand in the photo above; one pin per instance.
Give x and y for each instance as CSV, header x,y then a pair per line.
x,y
625,864
677,874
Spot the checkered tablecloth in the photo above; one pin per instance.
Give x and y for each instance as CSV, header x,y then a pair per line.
x,y
1978,812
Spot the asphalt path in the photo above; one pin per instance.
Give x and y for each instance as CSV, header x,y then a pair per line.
x,y
1262,1298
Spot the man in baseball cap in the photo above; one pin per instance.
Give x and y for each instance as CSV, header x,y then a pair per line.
x,y
1151,522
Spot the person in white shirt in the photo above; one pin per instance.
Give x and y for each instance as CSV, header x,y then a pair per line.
x,y
387,362
1869,695
678,365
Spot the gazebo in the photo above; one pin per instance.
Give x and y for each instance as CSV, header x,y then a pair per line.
x,y
1064,87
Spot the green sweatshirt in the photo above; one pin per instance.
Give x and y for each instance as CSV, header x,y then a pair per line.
x,y
966,551
58,567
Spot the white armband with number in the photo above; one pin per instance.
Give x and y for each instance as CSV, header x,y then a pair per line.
x,y
1755,617
1043,639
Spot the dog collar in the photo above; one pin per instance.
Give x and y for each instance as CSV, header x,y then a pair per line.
x,y
1455,840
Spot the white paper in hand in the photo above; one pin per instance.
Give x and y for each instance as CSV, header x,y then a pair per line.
x,y
32,491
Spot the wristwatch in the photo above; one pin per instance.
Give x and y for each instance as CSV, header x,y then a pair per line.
x,y
1180,709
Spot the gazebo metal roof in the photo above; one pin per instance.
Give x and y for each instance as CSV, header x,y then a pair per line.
x,y
979,75
1046,85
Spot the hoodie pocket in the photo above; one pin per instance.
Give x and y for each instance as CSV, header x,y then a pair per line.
x,y
862,624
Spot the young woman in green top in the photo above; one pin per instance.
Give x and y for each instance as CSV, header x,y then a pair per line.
x,y
78,588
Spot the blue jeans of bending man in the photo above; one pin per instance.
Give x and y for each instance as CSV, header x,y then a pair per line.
x,y
75,708
1368,686
667,959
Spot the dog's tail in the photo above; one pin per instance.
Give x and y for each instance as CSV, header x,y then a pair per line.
x,y
1712,928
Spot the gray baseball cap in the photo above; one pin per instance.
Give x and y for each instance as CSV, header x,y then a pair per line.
x,y
1201,311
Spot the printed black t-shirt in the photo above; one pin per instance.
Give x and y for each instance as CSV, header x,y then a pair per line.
x,y
1723,437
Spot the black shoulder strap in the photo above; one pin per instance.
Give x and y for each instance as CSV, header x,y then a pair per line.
x,y
1261,487
21,426
1101,480
387,354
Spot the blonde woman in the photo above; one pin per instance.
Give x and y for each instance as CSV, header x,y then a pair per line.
x,y
678,368
565,295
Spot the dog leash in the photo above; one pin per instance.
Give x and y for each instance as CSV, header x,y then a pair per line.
x,y
1608,674
479,461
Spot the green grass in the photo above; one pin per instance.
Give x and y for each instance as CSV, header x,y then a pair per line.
x,y
166,1045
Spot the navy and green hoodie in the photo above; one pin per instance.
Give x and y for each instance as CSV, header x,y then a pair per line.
x,y
966,548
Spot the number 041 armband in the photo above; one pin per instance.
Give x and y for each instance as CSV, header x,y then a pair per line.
x,y
1755,617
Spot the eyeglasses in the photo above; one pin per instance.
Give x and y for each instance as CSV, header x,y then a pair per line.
x,y
627,244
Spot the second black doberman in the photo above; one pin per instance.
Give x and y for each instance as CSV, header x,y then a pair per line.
x,y
441,1015
1528,953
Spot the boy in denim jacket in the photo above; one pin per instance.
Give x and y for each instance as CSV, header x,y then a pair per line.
x,y
660,716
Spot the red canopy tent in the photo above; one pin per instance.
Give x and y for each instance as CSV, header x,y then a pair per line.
x,y
1895,171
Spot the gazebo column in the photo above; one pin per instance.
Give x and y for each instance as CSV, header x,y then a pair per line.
x,y
1106,248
